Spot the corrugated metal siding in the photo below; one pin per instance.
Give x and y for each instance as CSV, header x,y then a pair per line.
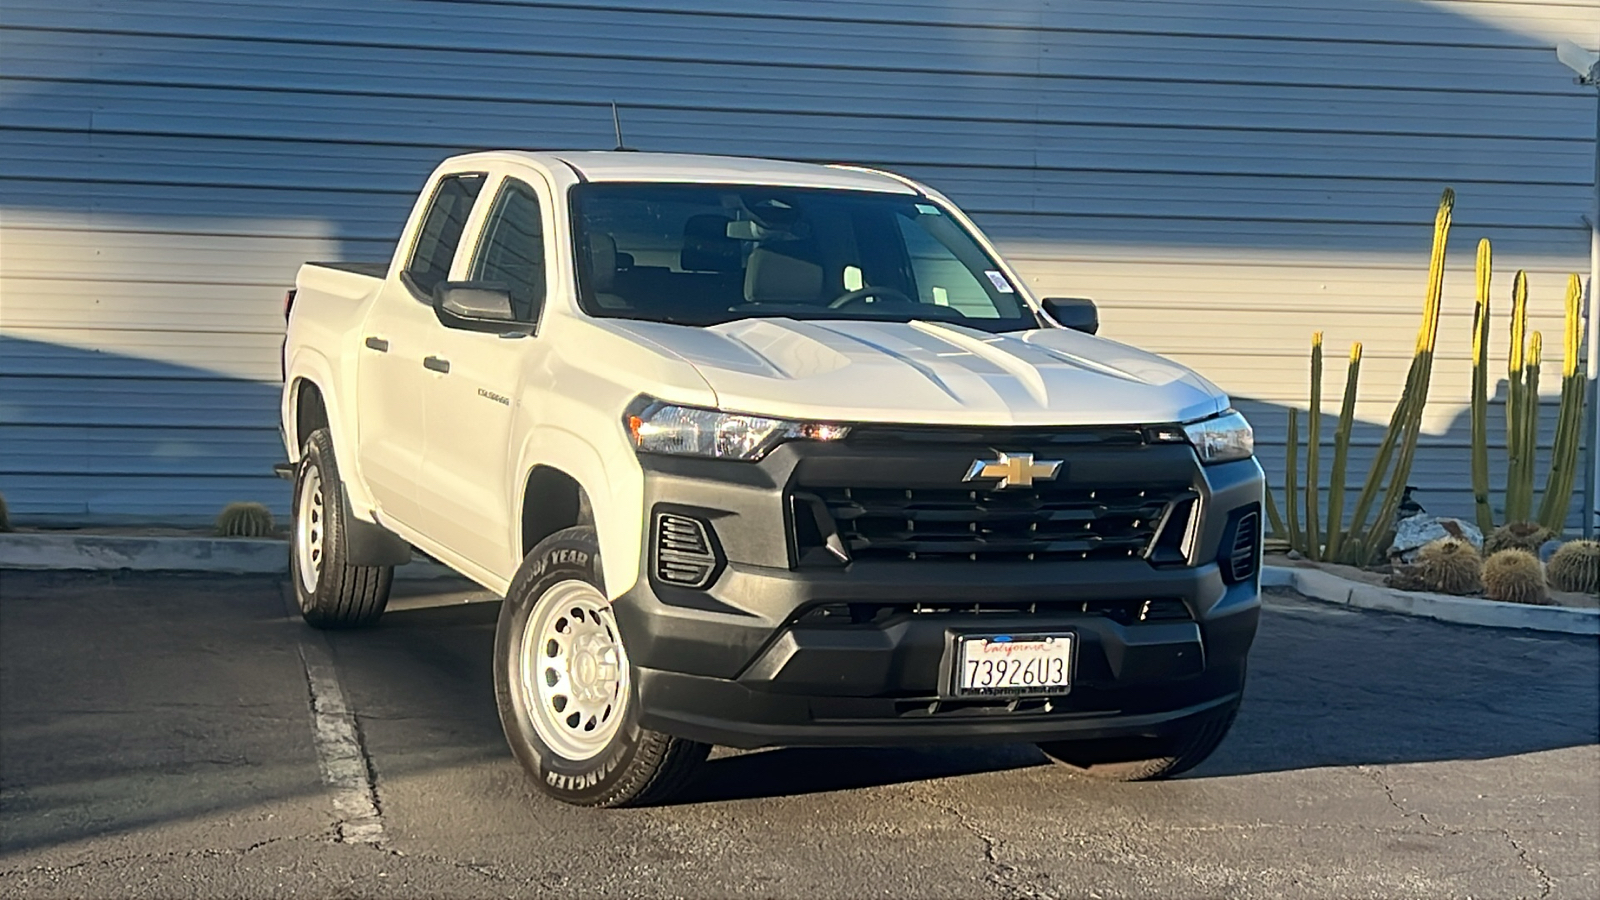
x,y
1224,178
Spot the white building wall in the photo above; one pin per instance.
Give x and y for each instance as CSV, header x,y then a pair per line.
x,y
1224,178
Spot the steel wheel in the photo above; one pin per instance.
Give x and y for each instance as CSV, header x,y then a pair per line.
x,y
309,529
574,670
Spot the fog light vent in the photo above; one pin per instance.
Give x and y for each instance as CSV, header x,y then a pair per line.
x,y
1243,551
684,554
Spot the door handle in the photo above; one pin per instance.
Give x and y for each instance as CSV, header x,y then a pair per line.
x,y
378,344
436,364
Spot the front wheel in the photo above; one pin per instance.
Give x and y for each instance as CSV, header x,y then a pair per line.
x,y
565,688
330,591
1145,759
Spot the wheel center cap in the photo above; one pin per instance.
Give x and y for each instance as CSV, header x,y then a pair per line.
x,y
586,671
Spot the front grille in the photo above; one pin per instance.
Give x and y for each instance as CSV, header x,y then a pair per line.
x,y
1049,522
1241,554
684,553
1123,612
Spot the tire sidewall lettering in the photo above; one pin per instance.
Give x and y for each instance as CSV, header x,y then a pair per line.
x,y
565,561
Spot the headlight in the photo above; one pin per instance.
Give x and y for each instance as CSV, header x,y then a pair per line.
x,y
691,431
1222,439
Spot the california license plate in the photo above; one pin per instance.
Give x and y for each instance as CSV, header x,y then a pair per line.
x,y
1014,663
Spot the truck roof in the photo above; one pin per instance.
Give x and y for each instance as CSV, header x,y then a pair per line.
x,y
628,165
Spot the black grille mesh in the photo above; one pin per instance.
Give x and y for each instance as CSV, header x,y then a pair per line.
x,y
1040,523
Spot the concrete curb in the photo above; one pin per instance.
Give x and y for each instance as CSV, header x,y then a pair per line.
x,y
1330,588
229,556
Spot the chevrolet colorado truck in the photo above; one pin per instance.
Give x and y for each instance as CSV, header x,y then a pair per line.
x,y
768,453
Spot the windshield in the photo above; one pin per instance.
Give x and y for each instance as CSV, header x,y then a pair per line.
x,y
704,254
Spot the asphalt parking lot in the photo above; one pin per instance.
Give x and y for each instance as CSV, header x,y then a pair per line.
x,y
156,739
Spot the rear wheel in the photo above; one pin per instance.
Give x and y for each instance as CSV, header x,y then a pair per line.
x,y
1145,759
565,687
331,592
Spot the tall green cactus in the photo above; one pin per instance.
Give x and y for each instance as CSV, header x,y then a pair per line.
x,y
1564,452
1341,455
1519,453
1399,443
1291,482
1313,540
1480,391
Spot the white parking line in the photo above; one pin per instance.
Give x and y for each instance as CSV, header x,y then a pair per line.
x,y
342,758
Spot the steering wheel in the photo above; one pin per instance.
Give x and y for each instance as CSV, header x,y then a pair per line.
x,y
860,295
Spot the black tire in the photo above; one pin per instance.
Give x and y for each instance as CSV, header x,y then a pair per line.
x,y
635,766
1145,759
334,594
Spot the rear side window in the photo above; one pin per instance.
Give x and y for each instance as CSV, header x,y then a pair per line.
x,y
512,250
441,229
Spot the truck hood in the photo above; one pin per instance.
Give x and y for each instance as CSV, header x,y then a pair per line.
x,y
930,373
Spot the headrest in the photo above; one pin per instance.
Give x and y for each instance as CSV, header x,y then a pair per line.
x,y
774,276
707,247
602,262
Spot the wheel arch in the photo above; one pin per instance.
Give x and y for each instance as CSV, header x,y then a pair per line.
x,y
314,388
565,482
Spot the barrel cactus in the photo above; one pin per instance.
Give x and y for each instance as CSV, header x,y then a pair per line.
x,y
1450,565
244,520
1517,536
1576,567
1514,576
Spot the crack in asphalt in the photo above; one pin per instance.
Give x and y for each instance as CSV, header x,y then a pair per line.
x,y
1001,874
192,853
1546,884
1376,774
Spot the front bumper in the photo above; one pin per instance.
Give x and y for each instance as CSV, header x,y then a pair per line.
x,y
784,654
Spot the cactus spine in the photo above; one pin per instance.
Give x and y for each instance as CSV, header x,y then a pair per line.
x,y
1341,454
1576,567
1405,423
1514,576
1313,540
1564,453
244,520
1450,566
1480,391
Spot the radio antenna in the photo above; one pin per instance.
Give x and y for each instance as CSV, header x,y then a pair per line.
x,y
616,123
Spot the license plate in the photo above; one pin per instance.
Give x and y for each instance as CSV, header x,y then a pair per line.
x,y
1014,664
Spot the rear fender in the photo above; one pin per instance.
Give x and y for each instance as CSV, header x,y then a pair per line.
x,y
308,365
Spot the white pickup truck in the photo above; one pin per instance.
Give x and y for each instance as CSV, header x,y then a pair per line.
x,y
767,453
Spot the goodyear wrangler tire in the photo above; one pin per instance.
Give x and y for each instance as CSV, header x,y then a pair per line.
x,y
331,593
565,688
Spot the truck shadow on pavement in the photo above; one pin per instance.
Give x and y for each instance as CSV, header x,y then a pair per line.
x,y
179,702
1328,687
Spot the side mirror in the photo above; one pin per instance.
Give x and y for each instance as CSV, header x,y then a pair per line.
x,y
477,306
1076,313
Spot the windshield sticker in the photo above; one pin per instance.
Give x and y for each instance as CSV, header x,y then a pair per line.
x,y
999,281
927,210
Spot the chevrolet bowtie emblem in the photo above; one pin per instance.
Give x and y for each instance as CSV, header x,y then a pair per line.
x,y
1014,470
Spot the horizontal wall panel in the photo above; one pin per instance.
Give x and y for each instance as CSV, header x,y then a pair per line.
x,y
176,499
129,402
111,451
704,83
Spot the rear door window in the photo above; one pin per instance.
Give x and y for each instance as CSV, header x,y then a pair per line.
x,y
512,249
440,233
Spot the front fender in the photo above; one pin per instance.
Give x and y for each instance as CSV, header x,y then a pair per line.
x,y
614,483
